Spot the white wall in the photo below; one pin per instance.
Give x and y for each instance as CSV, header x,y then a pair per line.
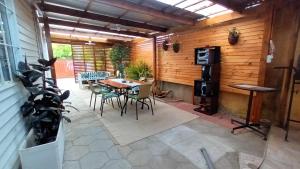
x,y
13,95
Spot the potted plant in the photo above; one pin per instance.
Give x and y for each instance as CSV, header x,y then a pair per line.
x,y
176,47
118,55
43,111
165,45
138,71
233,36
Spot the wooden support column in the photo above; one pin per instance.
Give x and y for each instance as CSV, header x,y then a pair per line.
x,y
287,82
49,44
258,100
154,59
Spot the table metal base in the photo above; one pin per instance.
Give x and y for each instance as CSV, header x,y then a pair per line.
x,y
253,126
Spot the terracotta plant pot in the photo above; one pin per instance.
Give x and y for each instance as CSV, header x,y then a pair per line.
x,y
165,45
176,47
233,40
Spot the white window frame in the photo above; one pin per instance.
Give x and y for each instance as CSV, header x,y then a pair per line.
x,y
15,43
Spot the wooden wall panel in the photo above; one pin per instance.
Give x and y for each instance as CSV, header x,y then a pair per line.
x,y
142,50
239,63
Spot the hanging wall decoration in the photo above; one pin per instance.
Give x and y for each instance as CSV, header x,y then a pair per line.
x,y
233,36
165,45
176,47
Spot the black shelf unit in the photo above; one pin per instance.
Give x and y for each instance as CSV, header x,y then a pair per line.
x,y
207,88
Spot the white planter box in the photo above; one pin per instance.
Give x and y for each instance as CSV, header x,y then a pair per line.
x,y
45,156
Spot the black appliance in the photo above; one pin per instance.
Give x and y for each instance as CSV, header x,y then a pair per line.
x,y
207,88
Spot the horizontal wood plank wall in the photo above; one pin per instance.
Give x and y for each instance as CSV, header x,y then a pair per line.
x,y
142,50
239,63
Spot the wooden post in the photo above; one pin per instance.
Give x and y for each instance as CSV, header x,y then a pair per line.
x,y
154,59
287,82
49,45
258,100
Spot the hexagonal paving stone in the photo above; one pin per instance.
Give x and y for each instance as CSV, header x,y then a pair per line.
x,y
100,145
113,153
163,162
76,152
124,150
117,164
139,157
93,130
71,165
84,140
141,167
158,148
93,160
139,145
186,166
102,135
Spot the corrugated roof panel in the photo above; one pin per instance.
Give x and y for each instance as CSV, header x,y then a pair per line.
x,y
93,22
173,2
212,10
200,5
155,5
62,17
187,3
100,8
61,27
79,4
134,16
163,22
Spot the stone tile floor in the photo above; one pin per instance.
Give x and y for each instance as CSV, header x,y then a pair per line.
x,y
89,145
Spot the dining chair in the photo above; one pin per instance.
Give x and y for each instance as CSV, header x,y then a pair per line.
x,y
96,90
152,81
142,95
135,90
109,96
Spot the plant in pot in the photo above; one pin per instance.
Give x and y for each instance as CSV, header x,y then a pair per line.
x,y
43,112
139,71
233,36
119,54
165,45
176,47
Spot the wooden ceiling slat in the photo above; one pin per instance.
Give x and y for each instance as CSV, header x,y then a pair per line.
x,y
98,17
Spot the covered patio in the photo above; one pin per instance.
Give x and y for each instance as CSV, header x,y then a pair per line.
x,y
150,84
183,122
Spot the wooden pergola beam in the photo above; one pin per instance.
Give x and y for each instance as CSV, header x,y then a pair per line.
x,y
93,27
147,10
49,45
230,5
88,36
98,17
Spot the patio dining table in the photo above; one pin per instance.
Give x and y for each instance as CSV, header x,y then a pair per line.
x,y
122,84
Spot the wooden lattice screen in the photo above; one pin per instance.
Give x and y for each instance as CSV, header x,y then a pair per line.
x,y
88,58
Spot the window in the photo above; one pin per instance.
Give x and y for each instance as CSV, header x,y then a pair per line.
x,y
6,48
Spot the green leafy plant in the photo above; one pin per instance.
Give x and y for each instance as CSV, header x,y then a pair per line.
x,y
62,51
233,36
176,47
136,71
118,54
44,107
